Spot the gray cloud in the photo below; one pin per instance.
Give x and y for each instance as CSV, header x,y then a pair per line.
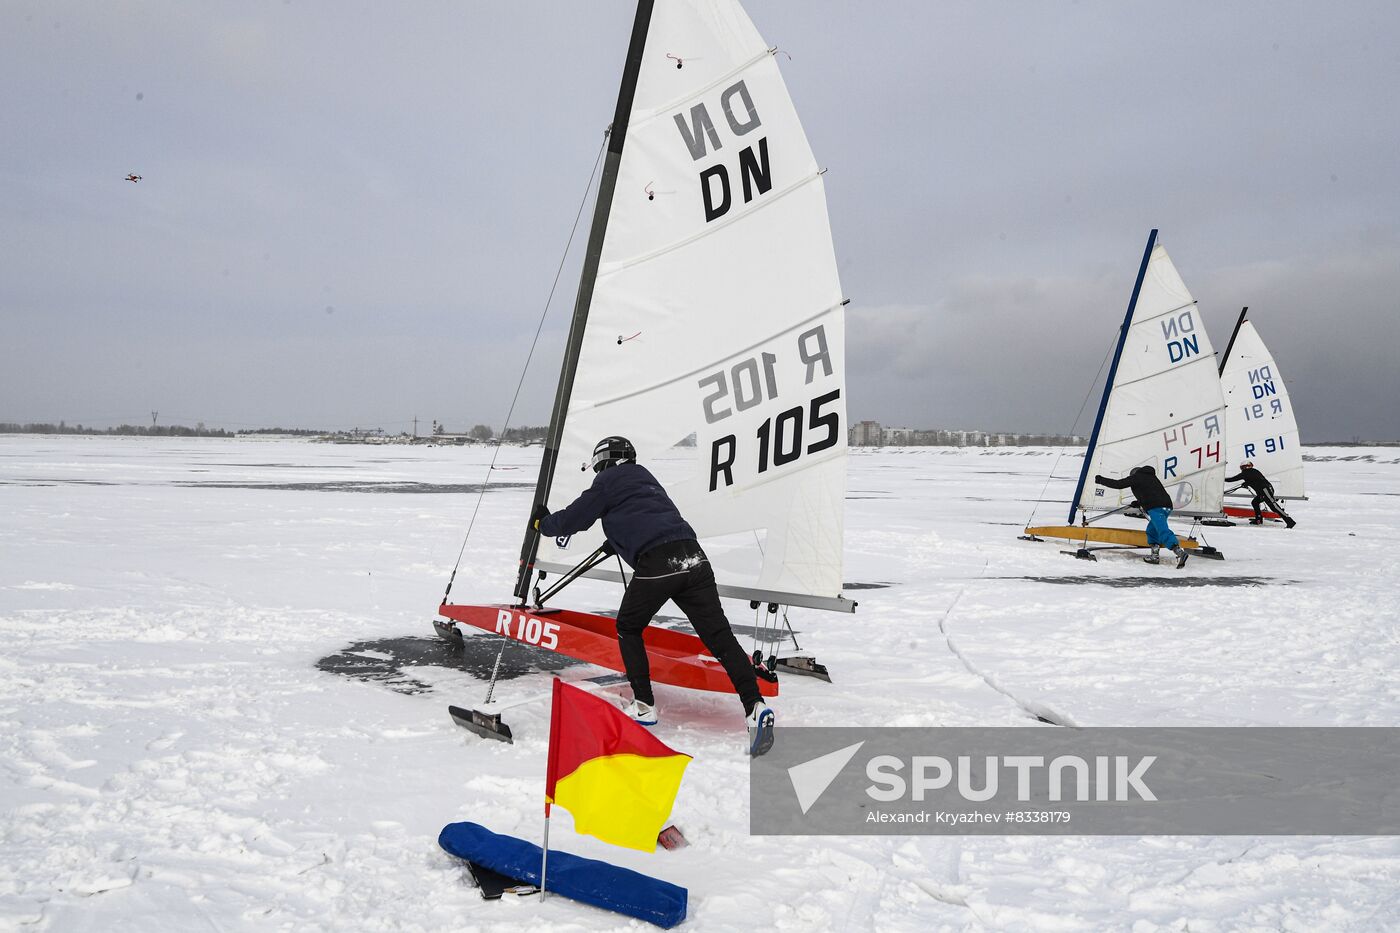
x,y
994,170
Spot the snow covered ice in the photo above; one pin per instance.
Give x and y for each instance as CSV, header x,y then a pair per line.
x,y
222,705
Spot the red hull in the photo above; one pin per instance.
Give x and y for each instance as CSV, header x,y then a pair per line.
x,y
677,658
1244,511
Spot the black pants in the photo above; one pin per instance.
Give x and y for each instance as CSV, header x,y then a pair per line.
x,y
680,572
1266,498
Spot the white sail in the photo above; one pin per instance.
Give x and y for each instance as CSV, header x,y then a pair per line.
x,y
717,313
1164,408
1259,422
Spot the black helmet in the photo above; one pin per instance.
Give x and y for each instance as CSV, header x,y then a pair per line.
x,y
1145,469
611,451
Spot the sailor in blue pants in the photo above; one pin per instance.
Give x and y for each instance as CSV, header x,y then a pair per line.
x,y
1152,498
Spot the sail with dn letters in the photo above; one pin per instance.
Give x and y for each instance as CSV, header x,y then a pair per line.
x,y
1259,420
719,260
1162,407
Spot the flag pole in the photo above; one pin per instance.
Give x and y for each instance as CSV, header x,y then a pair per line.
x,y
544,853
550,772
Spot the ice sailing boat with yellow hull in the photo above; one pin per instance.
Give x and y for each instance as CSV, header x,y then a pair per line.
x,y
708,329
1161,407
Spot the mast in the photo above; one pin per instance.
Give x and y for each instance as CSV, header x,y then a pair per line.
x,y
1233,334
601,209
1112,372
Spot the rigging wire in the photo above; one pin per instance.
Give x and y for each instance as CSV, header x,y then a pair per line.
x,y
1035,504
539,328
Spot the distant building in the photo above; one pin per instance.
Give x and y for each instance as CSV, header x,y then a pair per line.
x,y
897,437
873,434
866,434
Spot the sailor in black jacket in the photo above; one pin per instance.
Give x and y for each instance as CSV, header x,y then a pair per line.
x,y
1263,493
1153,499
644,526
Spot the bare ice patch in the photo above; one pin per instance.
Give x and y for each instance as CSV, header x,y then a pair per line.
x,y
392,661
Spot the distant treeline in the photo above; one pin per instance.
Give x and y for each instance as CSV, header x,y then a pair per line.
x,y
1354,442
481,433
167,430
526,435
296,432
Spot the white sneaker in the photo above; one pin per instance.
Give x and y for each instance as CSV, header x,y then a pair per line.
x,y
644,714
760,726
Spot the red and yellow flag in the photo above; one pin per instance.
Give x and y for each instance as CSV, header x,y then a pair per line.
x,y
616,778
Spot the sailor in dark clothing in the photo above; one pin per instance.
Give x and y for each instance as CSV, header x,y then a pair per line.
x,y
643,525
1152,497
1263,493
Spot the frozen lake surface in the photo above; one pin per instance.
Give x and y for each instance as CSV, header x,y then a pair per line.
x,y
222,705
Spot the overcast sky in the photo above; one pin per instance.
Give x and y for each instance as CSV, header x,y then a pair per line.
x,y
350,214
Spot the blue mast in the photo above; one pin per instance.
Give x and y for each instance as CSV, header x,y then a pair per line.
x,y
1112,371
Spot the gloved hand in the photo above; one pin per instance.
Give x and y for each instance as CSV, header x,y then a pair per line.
x,y
1134,504
1100,480
540,512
